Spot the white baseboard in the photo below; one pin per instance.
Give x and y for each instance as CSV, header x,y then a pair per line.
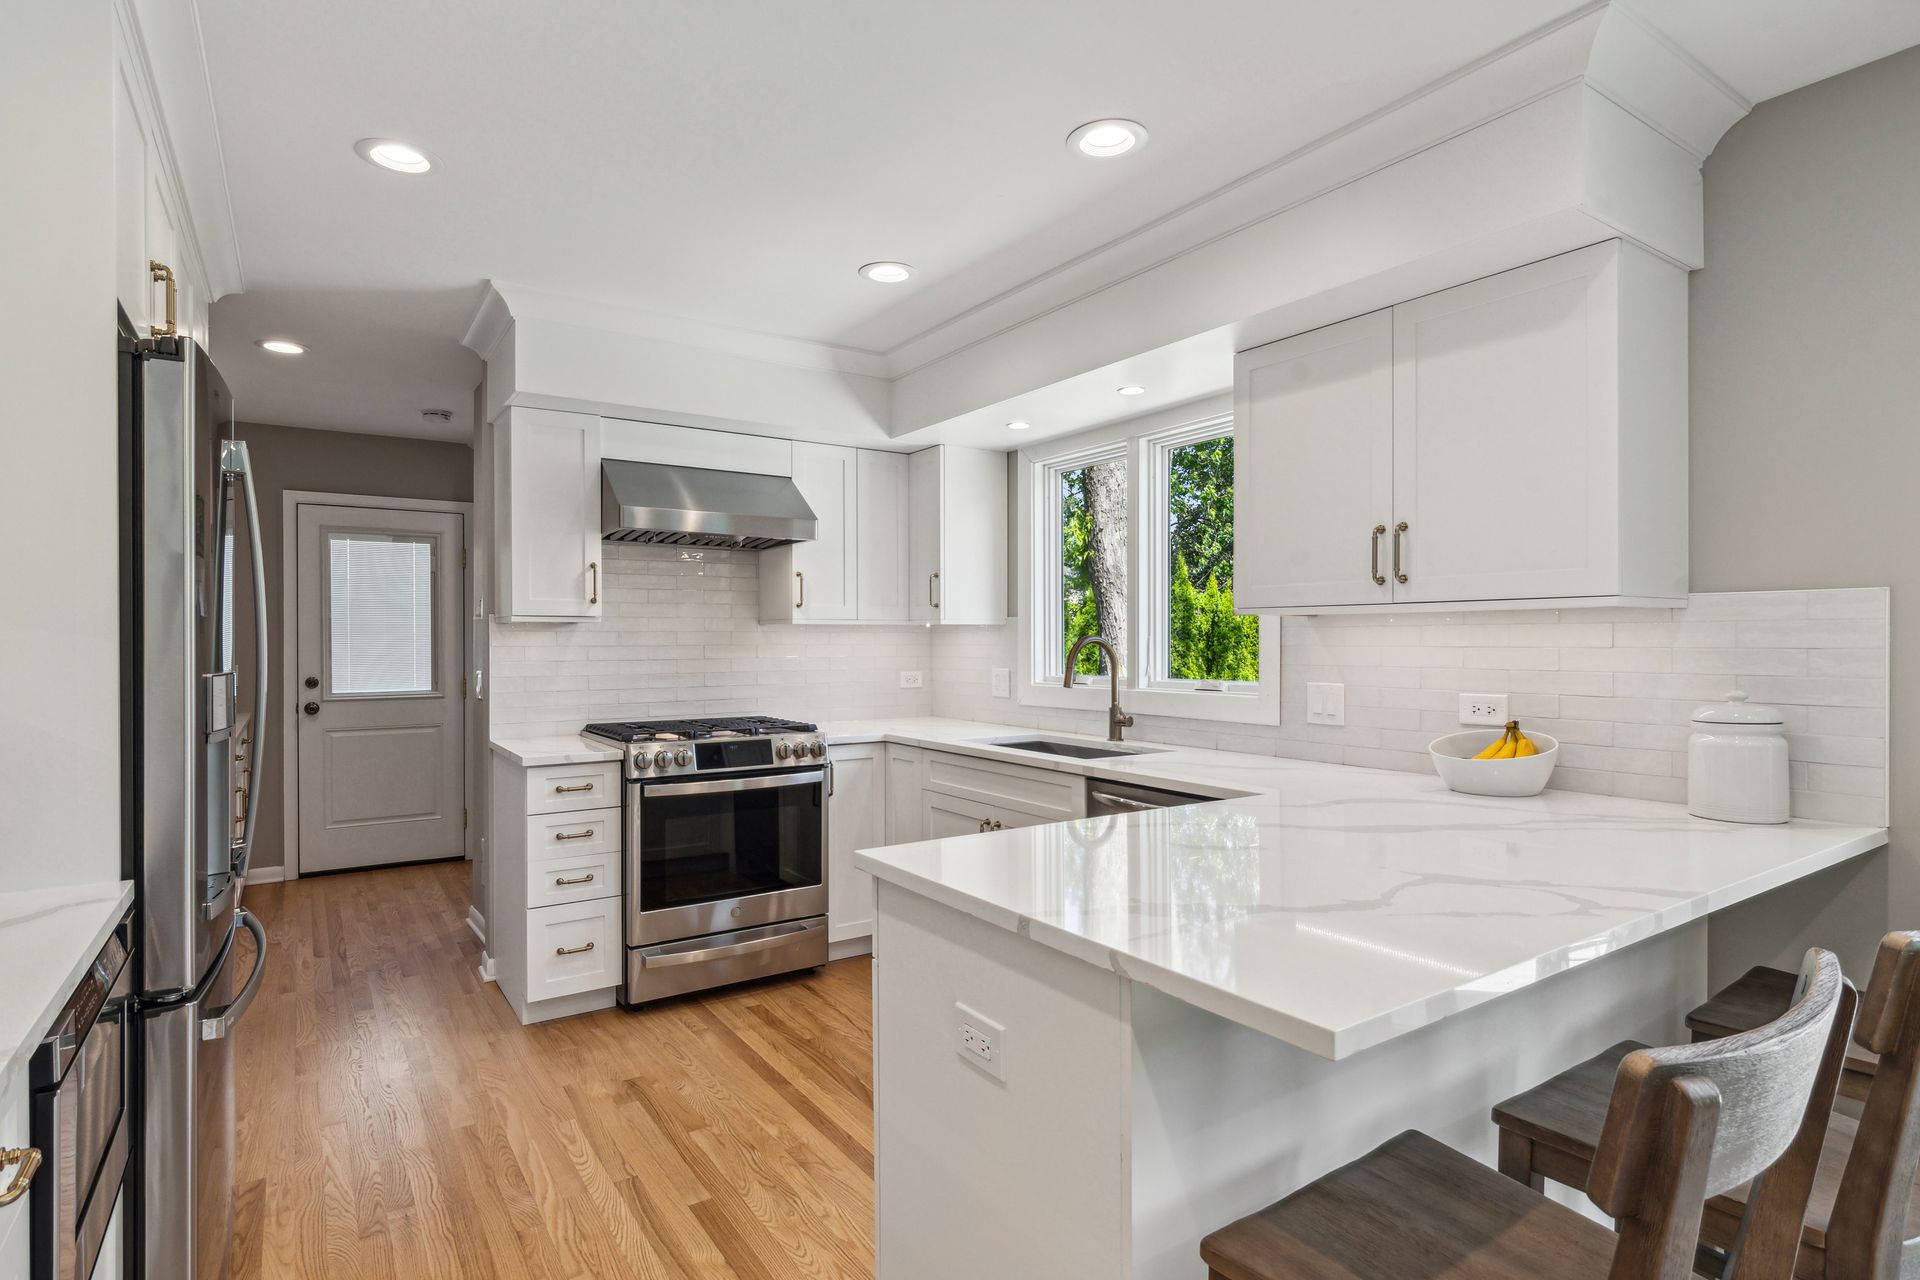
x,y
477,923
486,967
266,875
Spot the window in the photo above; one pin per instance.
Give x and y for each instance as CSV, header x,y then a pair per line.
x,y
379,613
1132,539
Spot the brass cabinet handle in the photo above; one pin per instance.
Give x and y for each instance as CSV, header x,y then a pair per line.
x,y
593,567
933,581
584,786
585,879
996,824
28,1158
161,273
572,951
800,580
1398,529
574,835
1379,579
983,824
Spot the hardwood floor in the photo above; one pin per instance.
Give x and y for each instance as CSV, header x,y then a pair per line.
x,y
396,1122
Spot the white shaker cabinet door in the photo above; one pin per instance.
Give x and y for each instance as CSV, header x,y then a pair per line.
x,y
856,819
824,586
882,507
552,561
1506,468
1313,467
924,530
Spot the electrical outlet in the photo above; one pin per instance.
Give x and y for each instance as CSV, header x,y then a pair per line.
x,y
980,1041
1326,703
1483,708
910,680
1002,683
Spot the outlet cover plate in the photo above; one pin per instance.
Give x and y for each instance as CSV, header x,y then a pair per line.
x,y
980,1041
911,679
1483,708
1002,682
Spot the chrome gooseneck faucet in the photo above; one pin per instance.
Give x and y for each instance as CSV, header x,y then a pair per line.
x,y
1116,718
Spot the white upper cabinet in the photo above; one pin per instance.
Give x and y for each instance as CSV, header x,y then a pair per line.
x,y
149,219
882,506
817,581
547,509
1320,408
957,536
1522,438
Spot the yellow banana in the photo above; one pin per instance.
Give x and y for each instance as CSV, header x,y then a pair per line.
x,y
1497,747
1525,747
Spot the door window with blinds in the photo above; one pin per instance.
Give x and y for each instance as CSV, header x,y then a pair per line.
x,y
379,623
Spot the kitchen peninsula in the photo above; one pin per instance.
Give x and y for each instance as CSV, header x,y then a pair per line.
x,y
1178,1016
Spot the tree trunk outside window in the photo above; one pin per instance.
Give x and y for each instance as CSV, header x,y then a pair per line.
x,y
1107,548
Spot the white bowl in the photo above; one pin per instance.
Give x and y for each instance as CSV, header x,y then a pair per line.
x,y
1527,776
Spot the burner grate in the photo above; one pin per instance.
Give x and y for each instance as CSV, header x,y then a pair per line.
x,y
696,730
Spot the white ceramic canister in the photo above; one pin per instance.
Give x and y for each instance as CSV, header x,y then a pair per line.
x,y
1737,762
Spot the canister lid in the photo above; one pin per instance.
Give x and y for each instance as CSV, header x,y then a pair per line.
x,y
1737,710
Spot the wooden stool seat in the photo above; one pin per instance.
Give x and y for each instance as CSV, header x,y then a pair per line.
x,y
1412,1208
1759,996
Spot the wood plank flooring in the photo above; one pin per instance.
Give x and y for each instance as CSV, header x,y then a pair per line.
x,y
396,1122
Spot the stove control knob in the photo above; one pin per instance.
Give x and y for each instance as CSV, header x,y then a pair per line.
x,y
662,758
817,747
683,757
781,750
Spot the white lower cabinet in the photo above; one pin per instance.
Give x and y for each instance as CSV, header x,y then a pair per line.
x,y
557,937
903,793
943,815
856,819
1041,795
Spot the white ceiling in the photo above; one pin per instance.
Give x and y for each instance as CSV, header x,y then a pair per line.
x,y
733,161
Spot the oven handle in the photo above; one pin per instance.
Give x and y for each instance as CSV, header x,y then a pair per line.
x,y
786,934
663,790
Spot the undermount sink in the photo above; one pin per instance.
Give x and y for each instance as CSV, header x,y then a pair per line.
x,y
1074,750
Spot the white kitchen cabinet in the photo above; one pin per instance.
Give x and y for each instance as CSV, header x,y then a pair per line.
x,y
903,793
548,552
1534,450
817,580
1035,794
856,819
882,502
957,536
943,815
149,219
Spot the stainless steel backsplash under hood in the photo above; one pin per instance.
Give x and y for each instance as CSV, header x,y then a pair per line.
x,y
696,507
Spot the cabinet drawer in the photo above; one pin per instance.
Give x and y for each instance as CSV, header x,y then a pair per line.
x,y
572,835
572,948
562,788
1045,793
579,879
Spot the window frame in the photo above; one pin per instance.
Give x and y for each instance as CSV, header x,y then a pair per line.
x,y
1145,442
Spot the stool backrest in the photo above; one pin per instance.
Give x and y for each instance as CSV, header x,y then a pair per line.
x,y
1691,1121
1867,1232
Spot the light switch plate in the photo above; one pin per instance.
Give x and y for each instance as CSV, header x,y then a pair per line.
x,y
911,679
1326,703
1002,682
1483,708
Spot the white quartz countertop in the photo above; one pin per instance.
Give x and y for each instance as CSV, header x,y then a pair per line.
x,y
48,937
1336,908
572,748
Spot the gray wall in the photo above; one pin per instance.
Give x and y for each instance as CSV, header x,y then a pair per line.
x,y
325,462
1806,424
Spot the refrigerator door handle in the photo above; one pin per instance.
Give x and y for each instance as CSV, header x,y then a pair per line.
x,y
235,461
216,1024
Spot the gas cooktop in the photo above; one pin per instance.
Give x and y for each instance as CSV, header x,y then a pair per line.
x,y
659,749
697,730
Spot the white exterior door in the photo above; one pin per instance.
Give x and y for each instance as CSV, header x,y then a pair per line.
x,y
378,686
1313,457
825,590
1506,467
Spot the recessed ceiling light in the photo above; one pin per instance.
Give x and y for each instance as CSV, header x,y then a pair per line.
x,y
886,272
281,347
400,157
1131,390
1019,426
1103,138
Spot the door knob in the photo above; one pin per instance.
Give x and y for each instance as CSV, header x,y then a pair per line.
x,y
312,682
312,708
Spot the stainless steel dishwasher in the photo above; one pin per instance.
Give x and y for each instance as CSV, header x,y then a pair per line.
x,y
1105,797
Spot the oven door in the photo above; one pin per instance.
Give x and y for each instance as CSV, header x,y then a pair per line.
x,y
724,853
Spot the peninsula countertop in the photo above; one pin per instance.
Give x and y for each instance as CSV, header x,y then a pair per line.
x,y
1336,908
47,939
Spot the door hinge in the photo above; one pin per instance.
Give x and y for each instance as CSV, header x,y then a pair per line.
x,y
463,686
463,819
463,559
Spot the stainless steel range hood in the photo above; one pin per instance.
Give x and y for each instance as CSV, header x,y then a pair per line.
x,y
695,507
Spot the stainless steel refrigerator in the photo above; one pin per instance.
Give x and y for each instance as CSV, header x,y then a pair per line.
x,y
187,512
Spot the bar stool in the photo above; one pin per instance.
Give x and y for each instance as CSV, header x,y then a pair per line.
x,y
1681,1123
1762,994
1862,1219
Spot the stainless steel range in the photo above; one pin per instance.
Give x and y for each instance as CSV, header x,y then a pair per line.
x,y
726,851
